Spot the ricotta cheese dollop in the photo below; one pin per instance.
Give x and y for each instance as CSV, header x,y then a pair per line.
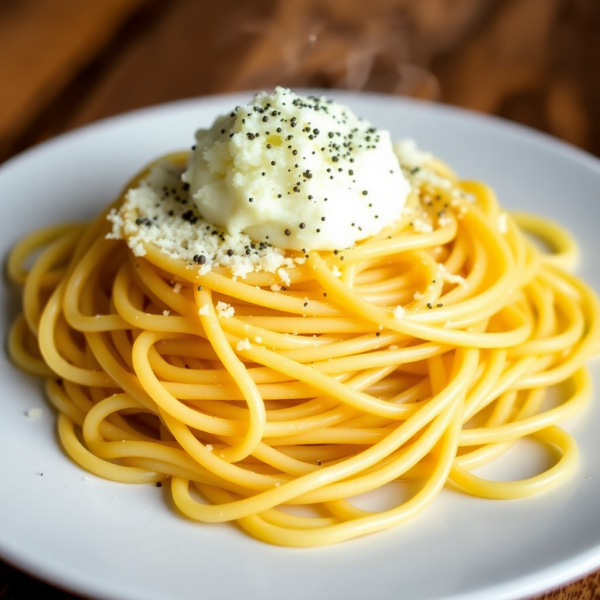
x,y
297,173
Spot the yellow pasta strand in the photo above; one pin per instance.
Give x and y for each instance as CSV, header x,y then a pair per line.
x,y
411,359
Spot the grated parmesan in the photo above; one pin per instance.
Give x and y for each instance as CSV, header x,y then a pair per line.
x,y
159,212
284,276
450,277
399,312
409,155
225,310
243,345
421,226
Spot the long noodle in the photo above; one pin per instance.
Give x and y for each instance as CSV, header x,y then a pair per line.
x,y
280,416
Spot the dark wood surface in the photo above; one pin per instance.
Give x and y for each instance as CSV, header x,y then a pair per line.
x,y
65,63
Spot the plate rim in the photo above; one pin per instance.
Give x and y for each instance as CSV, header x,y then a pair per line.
x,y
592,560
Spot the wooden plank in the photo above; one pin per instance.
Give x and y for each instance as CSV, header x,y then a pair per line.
x,y
339,44
43,44
169,50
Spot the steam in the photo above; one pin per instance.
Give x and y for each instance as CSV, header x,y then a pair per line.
x,y
300,49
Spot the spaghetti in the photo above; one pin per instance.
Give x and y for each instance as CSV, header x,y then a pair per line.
x,y
416,356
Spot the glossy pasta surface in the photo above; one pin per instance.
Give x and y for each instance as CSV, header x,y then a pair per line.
x,y
414,357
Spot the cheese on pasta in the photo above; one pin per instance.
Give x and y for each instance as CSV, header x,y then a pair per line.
x,y
273,392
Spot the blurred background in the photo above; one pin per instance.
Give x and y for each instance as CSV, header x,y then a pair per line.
x,y
65,63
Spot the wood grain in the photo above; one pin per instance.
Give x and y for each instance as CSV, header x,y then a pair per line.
x,y
44,44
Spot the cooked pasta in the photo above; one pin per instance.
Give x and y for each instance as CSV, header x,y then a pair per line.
x,y
416,356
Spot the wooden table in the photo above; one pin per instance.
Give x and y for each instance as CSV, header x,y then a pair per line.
x,y
65,63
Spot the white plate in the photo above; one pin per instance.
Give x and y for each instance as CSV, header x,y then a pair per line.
x,y
109,540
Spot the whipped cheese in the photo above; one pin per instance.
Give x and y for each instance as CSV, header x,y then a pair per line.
x,y
300,173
